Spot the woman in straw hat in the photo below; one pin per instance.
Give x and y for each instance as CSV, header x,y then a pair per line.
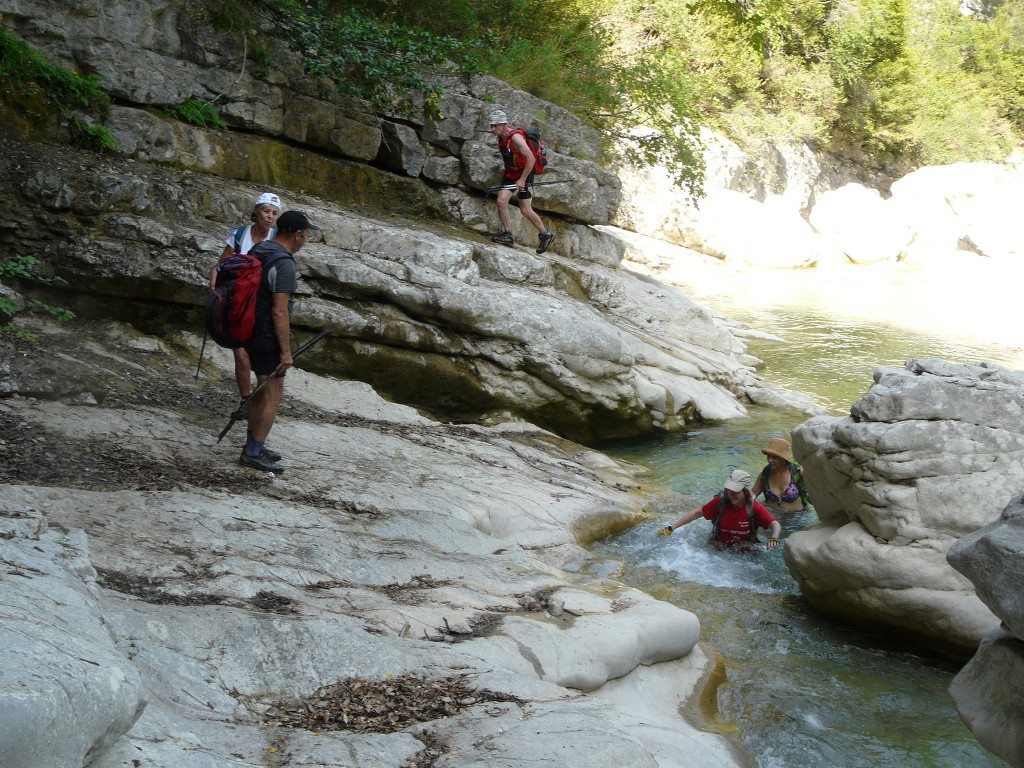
x,y
782,479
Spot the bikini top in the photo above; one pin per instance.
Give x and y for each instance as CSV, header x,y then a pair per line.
x,y
790,493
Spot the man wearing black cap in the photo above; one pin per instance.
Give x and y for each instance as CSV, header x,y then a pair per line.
x,y
270,348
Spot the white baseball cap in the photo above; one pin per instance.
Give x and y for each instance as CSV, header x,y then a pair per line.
x,y
498,117
738,481
268,198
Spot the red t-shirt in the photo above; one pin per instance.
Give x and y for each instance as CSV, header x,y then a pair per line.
x,y
734,527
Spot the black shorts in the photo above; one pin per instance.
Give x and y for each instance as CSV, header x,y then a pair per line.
x,y
264,355
525,194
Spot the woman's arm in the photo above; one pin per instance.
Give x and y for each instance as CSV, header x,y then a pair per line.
x,y
758,488
689,517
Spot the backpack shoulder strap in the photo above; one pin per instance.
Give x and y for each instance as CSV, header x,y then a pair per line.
x,y
239,234
716,523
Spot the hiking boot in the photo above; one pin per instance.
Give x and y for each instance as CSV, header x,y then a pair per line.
x,y
260,461
505,238
546,238
272,455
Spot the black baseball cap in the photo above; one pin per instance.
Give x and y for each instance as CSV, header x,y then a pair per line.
x,y
294,221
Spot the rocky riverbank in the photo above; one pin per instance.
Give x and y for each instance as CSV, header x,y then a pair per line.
x,y
163,605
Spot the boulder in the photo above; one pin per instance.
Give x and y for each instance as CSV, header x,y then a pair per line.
x,y
962,205
927,456
988,693
989,690
860,224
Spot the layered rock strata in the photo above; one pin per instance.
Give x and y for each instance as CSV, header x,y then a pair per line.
x,y
420,305
930,454
432,317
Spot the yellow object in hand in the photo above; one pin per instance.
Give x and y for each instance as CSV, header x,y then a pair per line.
x,y
666,531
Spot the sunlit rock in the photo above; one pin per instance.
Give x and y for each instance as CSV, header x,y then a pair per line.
x,y
857,222
968,206
393,545
930,454
66,692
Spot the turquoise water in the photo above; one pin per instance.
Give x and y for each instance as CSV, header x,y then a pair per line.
x,y
799,689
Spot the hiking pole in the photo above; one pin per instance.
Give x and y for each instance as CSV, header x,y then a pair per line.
x,y
241,413
535,184
202,349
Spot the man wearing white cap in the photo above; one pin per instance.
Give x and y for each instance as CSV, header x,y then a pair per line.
x,y
735,514
519,163
264,214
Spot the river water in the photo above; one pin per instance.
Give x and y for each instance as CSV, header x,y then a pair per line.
x,y
799,689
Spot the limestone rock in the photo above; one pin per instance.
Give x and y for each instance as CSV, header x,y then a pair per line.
x,y
889,484
988,693
991,558
67,693
962,204
392,546
433,318
988,690
400,149
860,224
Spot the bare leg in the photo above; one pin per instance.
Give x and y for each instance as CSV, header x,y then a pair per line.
x,y
263,407
506,220
243,372
526,208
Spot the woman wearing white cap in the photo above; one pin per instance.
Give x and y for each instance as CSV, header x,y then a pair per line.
x,y
735,514
264,215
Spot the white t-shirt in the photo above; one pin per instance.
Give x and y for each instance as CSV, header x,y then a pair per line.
x,y
246,245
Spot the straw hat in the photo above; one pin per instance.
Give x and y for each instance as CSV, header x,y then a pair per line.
x,y
778,447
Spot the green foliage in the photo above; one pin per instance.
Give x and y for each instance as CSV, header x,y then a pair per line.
x,y
90,135
25,268
196,112
24,70
888,78
373,58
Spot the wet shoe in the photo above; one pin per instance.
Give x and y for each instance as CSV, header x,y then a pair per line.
x,y
504,238
546,238
260,461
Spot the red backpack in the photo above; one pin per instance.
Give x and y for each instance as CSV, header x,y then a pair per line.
x,y
231,308
540,151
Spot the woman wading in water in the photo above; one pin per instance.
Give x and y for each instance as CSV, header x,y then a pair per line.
x,y
782,480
